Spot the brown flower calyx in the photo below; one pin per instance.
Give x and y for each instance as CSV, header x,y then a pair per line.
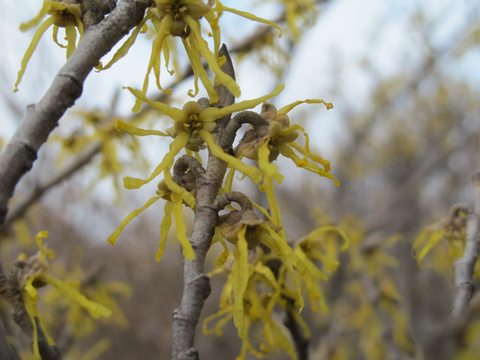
x,y
231,223
32,268
178,9
68,16
275,131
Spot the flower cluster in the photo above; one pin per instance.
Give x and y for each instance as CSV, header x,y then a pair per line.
x,y
60,14
35,274
301,270
277,278
182,18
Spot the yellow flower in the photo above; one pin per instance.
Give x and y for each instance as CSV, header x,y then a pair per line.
x,y
35,274
62,15
251,295
175,197
193,127
278,137
298,272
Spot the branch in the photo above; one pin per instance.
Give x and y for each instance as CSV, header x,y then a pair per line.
x,y
6,350
40,119
300,340
465,266
196,284
39,190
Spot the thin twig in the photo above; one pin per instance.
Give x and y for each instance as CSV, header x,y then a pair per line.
x,y
300,340
465,266
83,159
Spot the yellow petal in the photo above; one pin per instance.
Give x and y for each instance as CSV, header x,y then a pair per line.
x,y
71,35
31,48
213,22
112,239
157,45
223,257
272,201
173,112
187,197
212,113
55,37
175,147
240,274
199,70
266,166
95,309
164,227
434,239
31,310
40,15
125,48
180,228
287,108
218,152
120,125
210,58
267,273
286,151
249,16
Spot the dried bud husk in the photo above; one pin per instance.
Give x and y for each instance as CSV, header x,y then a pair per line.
x,y
188,181
269,113
276,132
231,224
251,142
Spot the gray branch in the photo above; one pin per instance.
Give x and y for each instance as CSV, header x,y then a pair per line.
x,y
196,284
465,266
39,190
40,119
